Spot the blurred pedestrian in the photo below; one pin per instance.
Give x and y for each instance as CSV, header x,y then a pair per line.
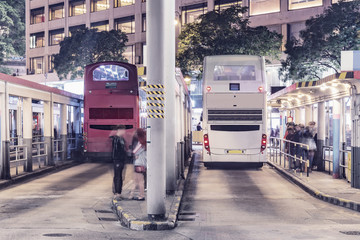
x,y
140,164
309,140
119,157
198,127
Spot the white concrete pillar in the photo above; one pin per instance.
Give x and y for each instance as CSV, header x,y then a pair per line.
x,y
321,126
63,130
5,135
159,14
308,114
48,126
27,128
297,118
336,137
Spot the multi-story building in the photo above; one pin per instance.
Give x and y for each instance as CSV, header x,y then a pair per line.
x,y
49,21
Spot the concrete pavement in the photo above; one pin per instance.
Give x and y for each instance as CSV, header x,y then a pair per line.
x,y
322,186
133,214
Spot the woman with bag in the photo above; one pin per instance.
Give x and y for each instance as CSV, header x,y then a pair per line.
x,y
139,152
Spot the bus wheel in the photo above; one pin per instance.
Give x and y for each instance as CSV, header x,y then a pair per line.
x,y
207,165
259,165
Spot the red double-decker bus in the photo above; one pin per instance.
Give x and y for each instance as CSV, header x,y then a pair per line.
x,y
111,98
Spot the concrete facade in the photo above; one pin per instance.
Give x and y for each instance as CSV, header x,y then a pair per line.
x,y
48,21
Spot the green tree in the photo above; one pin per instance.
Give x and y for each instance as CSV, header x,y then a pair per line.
x,y
221,33
320,44
88,46
17,34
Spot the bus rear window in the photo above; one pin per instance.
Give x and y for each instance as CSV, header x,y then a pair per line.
x,y
111,113
110,73
234,72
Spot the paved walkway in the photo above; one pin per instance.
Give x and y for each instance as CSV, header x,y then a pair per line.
x,y
323,186
133,214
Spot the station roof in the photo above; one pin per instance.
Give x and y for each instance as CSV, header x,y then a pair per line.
x,y
308,92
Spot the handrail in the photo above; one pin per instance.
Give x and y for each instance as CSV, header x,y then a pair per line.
x,y
343,165
38,152
18,155
278,151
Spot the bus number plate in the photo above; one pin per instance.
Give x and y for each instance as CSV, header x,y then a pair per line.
x,y
236,151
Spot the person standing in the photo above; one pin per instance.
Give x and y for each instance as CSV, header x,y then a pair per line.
x,y
140,164
119,157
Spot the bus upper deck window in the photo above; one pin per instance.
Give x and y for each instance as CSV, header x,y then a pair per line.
x,y
234,72
110,73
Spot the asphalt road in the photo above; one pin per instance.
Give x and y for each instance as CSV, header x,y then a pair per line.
x,y
218,204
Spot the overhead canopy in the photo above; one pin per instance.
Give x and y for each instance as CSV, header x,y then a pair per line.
x,y
304,93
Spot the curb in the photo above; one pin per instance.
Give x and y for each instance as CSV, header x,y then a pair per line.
x,y
39,172
355,206
131,222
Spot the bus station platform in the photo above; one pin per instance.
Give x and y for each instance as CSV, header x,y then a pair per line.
x,y
133,214
324,187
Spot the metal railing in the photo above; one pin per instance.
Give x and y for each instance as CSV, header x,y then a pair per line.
x,y
20,152
58,146
344,164
290,154
41,150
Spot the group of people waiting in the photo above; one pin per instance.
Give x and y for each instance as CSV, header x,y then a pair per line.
x,y
135,155
305,135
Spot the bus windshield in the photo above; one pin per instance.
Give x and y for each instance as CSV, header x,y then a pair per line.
x,y
110,73
234,72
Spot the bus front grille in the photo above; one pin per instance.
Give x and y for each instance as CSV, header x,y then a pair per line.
x,y
235,115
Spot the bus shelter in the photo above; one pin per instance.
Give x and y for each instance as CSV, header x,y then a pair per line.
x,y
334,104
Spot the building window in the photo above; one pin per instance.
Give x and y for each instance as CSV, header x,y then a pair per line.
x,y
123,3
56,36
36,65
99,5
56,11
37,16
77,8
143,23
76,28
223,4
126,24
129,54
37,40
300,4
51,64
258,7
191,13
101,26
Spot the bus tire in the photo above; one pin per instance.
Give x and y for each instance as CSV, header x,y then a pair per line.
x,y
259,165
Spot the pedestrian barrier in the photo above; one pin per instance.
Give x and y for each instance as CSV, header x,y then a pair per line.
x,y
41,152
344,163
58,146
20,152
291,155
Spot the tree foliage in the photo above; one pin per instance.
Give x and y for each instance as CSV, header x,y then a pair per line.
x,y
321,42
221,33
88,46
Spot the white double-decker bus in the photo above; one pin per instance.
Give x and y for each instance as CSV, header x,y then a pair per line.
x,y
234,110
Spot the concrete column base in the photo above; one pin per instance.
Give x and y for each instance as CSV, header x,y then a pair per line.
x,y
64,141
355,167
50,158
5,164
318,157
28,143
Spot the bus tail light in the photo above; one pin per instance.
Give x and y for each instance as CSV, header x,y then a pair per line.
x,y
208,88
263,142
206,142
260,89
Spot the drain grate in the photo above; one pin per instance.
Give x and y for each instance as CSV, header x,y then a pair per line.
x,y
109,219
186,216
353,233
103,211
57,235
